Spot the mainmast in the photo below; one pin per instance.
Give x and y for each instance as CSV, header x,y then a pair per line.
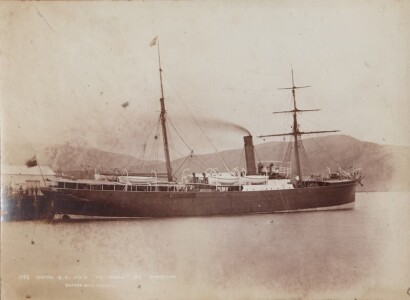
x,y
163,120
296,133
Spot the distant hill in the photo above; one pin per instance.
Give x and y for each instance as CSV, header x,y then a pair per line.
x,y
385,167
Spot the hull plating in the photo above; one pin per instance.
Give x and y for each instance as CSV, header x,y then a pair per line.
x,y
175,204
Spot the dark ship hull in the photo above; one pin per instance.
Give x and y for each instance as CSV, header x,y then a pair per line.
x,y
152,204
209,193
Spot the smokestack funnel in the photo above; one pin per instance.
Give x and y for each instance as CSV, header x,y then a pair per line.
x,y
249,155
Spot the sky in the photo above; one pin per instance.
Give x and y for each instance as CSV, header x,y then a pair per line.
x,y
84,73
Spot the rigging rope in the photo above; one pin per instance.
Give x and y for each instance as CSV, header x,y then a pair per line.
x,y
185,160
307,168
325,148
178,166
155,130
173,126
204,165
287,154
199,126
257,155
139,156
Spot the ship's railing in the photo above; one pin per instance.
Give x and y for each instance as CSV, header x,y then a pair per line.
x,y
114,186
281,167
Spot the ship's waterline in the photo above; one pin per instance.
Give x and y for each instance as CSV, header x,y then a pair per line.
x,y
351,205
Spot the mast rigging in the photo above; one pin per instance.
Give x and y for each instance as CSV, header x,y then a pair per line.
x,y
295,128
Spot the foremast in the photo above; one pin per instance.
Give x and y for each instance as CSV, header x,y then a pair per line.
x,y
163,119
296,133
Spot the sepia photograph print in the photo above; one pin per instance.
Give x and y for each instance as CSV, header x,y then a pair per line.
x,y
205,149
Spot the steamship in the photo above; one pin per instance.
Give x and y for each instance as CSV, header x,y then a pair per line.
x,y
263,187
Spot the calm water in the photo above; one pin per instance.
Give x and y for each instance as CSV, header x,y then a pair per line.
x,y
361,253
